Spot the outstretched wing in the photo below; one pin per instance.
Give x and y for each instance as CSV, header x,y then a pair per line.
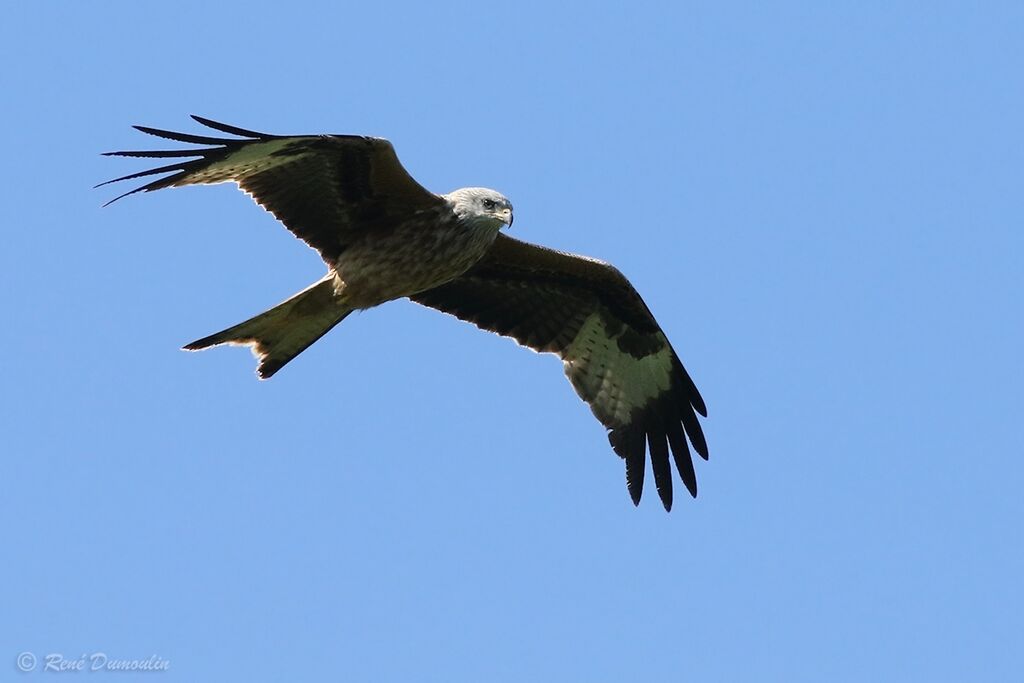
x,y
615,355
326,189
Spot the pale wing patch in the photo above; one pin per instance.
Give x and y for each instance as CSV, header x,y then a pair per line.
x,y
614,382
249,159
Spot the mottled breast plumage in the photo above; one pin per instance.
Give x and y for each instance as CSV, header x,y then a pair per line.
x,y
429,249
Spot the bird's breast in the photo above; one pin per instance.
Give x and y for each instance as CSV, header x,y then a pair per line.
x,y
416,256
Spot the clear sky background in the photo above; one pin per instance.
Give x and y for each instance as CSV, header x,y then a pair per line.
x,y
821,202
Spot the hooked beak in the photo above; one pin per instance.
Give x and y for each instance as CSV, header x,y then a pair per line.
x,y
507,215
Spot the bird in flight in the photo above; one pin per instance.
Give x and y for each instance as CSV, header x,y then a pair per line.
x,y
383,237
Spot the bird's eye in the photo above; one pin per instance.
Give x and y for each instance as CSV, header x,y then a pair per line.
x,y
488,204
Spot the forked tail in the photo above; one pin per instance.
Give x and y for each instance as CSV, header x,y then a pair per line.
x,y
286,330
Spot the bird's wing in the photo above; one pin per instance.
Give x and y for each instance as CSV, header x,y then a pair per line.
x,y
326,189
614,353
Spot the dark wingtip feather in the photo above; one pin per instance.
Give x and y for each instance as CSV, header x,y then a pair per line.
x,y
122,196
658,448
230,130
681,455
141,174
184,137
695,432
628,444
690,390
163,153
698,403
157,184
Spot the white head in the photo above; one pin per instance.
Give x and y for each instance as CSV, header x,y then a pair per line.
x,y
481,206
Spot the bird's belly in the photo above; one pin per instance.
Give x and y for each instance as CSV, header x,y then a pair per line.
x,y
377,270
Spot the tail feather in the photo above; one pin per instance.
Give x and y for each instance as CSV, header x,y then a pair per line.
x,y
286,330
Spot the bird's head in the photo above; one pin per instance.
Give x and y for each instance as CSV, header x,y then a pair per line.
x,y
482,206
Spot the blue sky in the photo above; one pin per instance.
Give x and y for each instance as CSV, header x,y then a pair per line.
x,y
820,202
